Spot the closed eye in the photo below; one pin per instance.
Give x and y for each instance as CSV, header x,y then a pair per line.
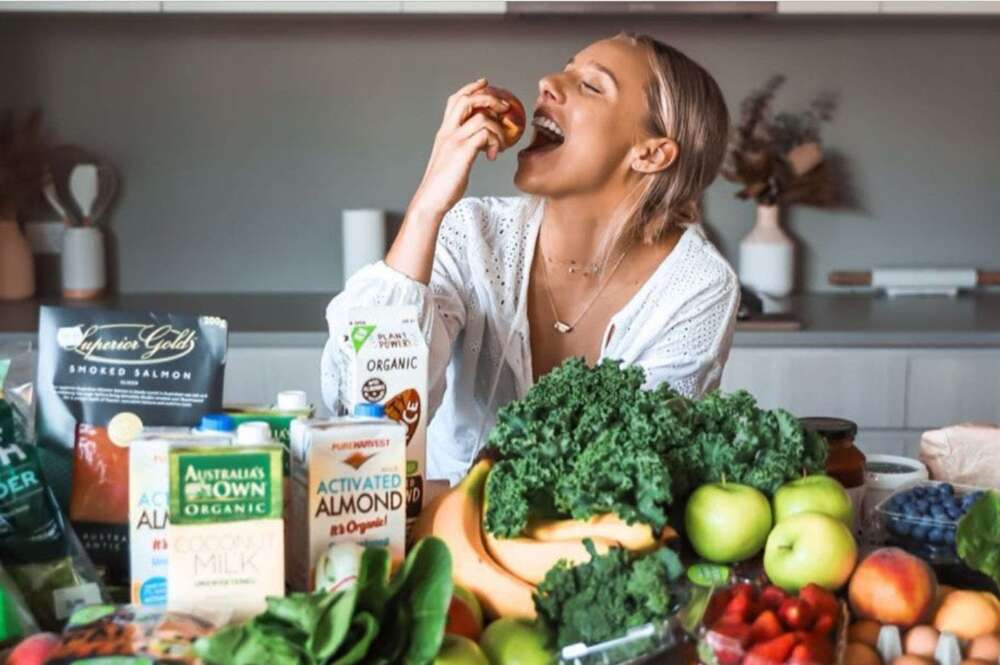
x,y
591,88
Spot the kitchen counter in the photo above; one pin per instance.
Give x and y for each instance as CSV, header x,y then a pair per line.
x,y
828,320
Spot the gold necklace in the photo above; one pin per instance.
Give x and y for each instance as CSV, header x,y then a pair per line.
x,y
559,324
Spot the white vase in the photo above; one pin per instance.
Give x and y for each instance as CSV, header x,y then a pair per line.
x,y
767,255
83,273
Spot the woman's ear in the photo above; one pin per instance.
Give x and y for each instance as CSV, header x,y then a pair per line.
x,y
653,155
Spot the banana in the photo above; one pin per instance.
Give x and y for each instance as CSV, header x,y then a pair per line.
x,y
455,517
531,559
633,537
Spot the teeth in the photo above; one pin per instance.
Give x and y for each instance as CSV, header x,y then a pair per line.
x,y
549,125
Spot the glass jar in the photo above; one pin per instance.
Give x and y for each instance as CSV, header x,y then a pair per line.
x,y
844,462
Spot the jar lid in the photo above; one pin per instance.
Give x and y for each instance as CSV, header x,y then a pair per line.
x,y
832,429
217,422
253,433
365,410
292,400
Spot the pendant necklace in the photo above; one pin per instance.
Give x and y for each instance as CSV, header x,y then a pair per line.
x,y
559,324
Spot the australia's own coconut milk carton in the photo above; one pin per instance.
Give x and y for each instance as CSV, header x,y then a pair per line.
x,y
348,485
149,485
389,367
225,532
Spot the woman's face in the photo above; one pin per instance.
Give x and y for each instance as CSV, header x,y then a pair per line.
x,y
587,119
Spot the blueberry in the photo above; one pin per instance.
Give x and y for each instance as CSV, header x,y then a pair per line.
x,y
952,504
910,509
947,488
938,512
919,492
919,531
967,501
949,535
954,514
902,527
923,505
935,535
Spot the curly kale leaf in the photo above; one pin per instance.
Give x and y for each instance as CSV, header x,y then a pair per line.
x,y
605,597
590,440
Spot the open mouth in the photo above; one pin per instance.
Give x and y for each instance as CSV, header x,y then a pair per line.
x,y
548,135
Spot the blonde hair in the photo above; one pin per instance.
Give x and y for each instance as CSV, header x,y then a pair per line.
x,y
687,106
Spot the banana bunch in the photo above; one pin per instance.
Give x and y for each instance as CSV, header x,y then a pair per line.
x,y
503,572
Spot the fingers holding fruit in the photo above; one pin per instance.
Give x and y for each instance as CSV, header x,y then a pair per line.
x,y
482,133
509,112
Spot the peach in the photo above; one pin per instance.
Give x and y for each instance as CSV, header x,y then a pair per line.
x,y
861,654
968,614
34,650
465,616
514,119
892,586
865,632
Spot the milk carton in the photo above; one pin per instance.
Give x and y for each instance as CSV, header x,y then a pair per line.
x,y
388,357
225,532
148,490
348,485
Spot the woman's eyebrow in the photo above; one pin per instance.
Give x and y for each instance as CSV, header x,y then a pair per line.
x,y
598,66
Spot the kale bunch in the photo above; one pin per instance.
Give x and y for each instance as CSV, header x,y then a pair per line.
x,y
582,442
590,440
603,598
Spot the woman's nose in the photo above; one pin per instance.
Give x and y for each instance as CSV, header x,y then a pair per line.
x,y
550,90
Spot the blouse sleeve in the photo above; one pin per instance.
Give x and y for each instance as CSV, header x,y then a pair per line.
x,y
693,350
442,307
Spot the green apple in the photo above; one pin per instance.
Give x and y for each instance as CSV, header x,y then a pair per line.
x,y
458,650
813,494
516,642
727,522
810,548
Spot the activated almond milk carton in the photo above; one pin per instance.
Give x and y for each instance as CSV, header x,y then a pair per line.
x,y
226,534
348,485
388,357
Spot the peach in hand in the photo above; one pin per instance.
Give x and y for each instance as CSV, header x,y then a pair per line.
x,y
513,120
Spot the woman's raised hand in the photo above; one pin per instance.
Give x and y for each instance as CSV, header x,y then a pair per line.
x,y
463,134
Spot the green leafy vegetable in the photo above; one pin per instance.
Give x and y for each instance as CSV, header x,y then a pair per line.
x,y
978,536
376,621
603,598
586,441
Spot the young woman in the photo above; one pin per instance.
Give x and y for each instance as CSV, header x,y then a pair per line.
x,y
603,259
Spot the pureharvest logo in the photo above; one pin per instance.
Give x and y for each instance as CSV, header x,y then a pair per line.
x,y
129,343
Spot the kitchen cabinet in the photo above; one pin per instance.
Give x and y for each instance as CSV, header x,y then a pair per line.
x,y
283,7
828,7
126,7
456,7
893,394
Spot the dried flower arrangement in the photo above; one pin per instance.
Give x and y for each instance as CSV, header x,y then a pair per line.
x,y
23,161
778,158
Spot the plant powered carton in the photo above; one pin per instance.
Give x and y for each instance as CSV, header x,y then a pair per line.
x,y
348,485
225,533
388,356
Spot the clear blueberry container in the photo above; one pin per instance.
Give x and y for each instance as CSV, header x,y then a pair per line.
x,y
922,518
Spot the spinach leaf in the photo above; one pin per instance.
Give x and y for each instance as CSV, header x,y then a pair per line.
x,y
364,629
332,627
978,536
427,590
373,581
301,610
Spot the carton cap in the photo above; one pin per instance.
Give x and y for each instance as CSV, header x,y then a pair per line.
x,y
364,410
292,400
217,422
253,434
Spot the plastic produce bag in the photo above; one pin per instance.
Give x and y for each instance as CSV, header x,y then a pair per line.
x,y
152,636
968,454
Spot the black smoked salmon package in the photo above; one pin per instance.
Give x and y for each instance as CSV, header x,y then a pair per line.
x,y
102,375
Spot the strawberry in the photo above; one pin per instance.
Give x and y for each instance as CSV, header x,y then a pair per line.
x,y
742,601
772,597
765,627
727,650
822,600
812,649
737,631
797,614
825,624
772,652
717,604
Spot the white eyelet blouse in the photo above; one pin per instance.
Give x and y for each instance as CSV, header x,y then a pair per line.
x,y
678,327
